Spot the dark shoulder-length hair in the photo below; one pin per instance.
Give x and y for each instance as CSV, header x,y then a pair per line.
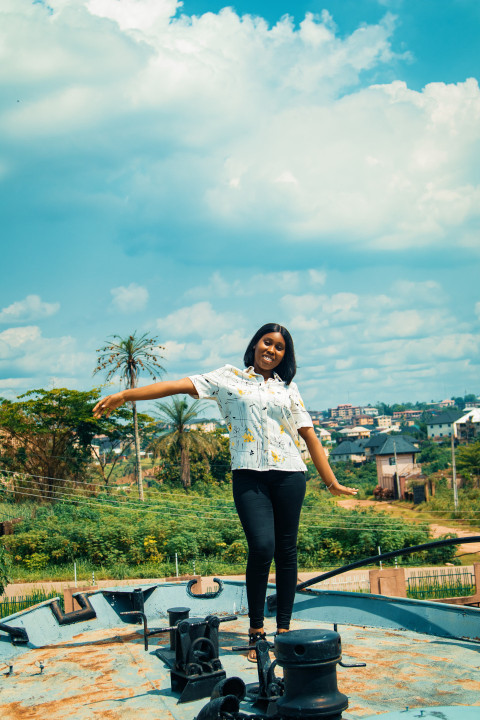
x,y
288,367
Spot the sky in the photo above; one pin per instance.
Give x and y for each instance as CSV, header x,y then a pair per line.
x,y
194,170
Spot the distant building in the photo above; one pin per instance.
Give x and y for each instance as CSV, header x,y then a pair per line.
x,y
323,434
317,416
356,432
344,411
372,411
208,426
395,457
347,411
404,415
383,421
348,451
440,427
467,427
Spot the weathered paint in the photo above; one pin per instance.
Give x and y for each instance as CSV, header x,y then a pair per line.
x,y
99,669
435,713
369,610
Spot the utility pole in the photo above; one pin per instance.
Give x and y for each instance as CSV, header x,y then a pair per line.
x,y
454,470
396,469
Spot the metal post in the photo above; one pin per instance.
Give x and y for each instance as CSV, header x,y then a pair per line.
x,y
396,469
379,552
454,472
176,564
75,572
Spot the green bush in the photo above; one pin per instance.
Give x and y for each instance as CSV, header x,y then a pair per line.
x,y
115,533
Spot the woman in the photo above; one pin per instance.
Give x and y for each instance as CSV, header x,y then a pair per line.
x,y
265,415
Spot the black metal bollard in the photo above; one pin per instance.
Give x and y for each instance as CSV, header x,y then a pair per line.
x,y
229,686
309,659
215,709
175,615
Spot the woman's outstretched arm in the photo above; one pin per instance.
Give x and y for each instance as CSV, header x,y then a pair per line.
x,y
320,460
148,392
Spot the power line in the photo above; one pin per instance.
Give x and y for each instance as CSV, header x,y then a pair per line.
x,y
86,503
169,504
204,508
191,499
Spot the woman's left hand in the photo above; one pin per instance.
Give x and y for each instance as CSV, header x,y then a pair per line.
x,y
337,489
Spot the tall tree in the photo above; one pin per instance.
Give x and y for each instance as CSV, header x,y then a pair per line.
x,y
128,357
45,440
179,438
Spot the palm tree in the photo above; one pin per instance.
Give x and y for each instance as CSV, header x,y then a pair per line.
x,y
128,357
177,436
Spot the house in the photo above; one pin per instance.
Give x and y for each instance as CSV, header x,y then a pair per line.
x,y
467,427
363,419
374,443
356,432
324,436
395,458
405,415
383,421
205,426
440,427
345,411
445,403
348,451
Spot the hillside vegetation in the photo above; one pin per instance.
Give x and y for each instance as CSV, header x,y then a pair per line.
x,y
122,537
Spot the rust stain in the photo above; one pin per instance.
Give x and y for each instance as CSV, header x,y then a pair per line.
x,y
469,684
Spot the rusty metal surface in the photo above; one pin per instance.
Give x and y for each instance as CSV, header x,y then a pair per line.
x,y
107,674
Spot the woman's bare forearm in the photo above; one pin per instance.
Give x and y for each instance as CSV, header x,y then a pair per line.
x,y
322,466
157,390
166,388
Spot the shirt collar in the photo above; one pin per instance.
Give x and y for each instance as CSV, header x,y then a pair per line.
x,y
250,371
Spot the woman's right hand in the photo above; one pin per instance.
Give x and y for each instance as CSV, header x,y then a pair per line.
x,y
107,404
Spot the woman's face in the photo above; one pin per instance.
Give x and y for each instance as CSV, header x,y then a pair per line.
x,y
268,353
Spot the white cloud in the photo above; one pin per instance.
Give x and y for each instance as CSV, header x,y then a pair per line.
x,y
294,148
339,307
142,15
427,292
129,299
24,352
198,319
18,337
260,283
31,308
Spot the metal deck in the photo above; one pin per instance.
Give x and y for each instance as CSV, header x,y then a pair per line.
x,y
99,669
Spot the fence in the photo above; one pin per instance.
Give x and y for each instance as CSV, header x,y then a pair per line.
x,y
447,583
9,606
359,583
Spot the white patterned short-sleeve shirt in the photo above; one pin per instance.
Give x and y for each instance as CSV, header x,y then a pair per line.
x,y
263,418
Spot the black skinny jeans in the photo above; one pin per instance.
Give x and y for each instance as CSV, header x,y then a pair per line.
x,y
269,504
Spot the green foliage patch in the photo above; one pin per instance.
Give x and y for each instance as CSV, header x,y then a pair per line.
x,y
125,536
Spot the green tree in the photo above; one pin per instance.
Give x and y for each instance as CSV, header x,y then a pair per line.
x,y
468,460
4,569
128,357
178,439
116,439
45,440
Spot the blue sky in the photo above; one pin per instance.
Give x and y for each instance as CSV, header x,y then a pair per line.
x,y
195,171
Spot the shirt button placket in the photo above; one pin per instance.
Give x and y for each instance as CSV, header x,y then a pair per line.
x,y
264,412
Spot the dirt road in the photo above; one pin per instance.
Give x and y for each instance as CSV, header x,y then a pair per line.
x,y
435,529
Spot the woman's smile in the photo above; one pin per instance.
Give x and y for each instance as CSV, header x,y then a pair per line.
x,y
269,353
